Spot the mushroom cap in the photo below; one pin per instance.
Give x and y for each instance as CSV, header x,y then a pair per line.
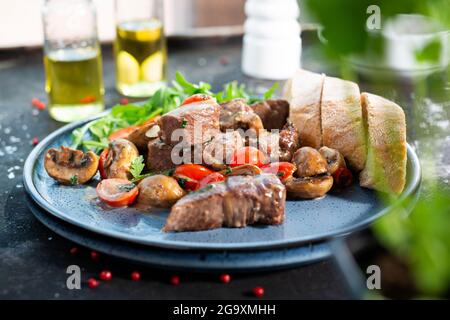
x,y
334,158
65,164
121,154
309,162
159,191
309,187
243,170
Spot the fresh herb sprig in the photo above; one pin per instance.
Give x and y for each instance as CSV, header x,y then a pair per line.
x,y
136,168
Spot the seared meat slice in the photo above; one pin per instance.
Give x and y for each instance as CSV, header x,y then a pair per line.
x,y
277,146
219,151
159,156
289,142
194,123
273,113
237,202
236,114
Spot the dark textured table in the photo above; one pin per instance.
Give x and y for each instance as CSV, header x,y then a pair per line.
x,y
33,260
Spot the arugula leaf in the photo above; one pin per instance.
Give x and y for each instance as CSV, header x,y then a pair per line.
x,y
94,135
269,93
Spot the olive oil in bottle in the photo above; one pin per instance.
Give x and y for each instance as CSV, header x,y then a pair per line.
x,y
74,83
141,57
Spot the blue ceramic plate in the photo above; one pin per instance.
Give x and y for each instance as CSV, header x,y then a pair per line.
x,y
192,260
306,221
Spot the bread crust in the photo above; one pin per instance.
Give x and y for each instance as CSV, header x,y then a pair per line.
x,y
385,168
342,122
303,92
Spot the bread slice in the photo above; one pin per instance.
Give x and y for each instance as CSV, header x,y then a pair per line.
x,y
385,168
303,92
342,122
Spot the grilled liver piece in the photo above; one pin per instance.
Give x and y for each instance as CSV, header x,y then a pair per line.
x,y
219,151
237,202
273,113
289,141
204,116
159,156
277,146
236,114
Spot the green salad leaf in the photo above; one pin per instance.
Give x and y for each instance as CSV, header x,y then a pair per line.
x,y
94,135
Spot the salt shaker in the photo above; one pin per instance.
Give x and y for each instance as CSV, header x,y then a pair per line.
x,y
272,43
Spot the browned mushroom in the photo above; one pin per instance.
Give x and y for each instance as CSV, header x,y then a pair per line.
x,y
313,179
159,191
143,134
243,170
334,159
309,162
309,187
120,156
70,166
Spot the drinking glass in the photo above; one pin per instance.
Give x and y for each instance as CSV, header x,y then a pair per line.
x,y
72,59
140,47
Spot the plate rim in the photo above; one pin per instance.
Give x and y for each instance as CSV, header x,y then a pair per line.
x,y
31,189
192,259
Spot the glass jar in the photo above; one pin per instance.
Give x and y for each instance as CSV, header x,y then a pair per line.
x,y
140,47
72,59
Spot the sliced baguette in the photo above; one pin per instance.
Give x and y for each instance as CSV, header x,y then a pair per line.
x,y
342,123
303,92
385,168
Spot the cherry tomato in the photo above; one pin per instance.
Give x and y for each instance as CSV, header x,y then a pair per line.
x,y
101,163
248,155
125,132
151,120
343,177
212,178
117,192
199,97
282,169
122,133
189,175
188,183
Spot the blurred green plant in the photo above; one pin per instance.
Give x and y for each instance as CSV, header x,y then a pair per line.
x,y
421,239
344,21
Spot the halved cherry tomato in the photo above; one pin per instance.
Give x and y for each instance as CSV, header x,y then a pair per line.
x,y
282,169
248,155
122,133
212,178
199,97
101,163
117,192
187,183
189,175
343,177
